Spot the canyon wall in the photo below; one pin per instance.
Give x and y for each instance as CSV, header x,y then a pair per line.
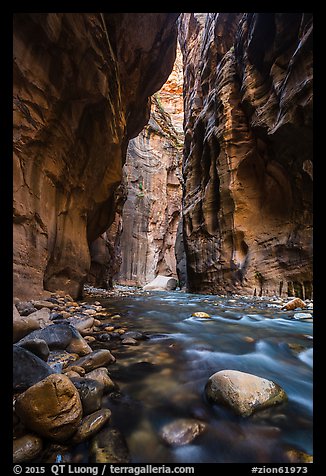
x,y
82,83
153,180
247,204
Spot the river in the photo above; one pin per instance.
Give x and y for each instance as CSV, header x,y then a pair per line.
x,y
163,378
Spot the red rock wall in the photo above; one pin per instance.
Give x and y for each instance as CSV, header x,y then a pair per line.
x,y
247,204
153,180
81,88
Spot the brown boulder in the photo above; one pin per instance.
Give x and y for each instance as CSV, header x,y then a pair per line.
x,y
52,408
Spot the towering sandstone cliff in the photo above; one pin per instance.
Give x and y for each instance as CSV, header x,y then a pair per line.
x,y
82,83
248,152
152,178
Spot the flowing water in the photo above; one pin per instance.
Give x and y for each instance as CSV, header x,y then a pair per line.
x,y
163,378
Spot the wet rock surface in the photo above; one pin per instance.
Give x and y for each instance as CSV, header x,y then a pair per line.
x,y
109,446
28,368
243,392
90,392
91,425
26,448
181,432
52,408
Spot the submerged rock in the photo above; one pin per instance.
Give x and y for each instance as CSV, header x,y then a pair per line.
x,y
302,315
61,336
161,283
244,393
296,456
109,446
91,425
28,369
181,432
129,341
102,375
52,408
26,448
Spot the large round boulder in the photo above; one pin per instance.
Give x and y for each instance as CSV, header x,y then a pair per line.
x,y
52,408
243,393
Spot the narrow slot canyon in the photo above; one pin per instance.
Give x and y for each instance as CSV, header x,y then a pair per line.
x,y
162,230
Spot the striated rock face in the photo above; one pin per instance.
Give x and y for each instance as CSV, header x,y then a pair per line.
x,y
81,88
152,176
248,152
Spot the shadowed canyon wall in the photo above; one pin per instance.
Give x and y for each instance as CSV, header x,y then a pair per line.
x,y
82,83
247,204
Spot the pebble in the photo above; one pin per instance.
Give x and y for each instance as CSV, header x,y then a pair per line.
x,y
89,312
89,338
109,328
248,339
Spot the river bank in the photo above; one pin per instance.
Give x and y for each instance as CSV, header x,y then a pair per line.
x,y
150,360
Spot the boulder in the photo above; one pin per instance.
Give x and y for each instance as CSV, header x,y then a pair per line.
x,y
109,446
294,304
244,393
161,283
41,304
61,336
25,308
52,408
181,432
23,325
26,448
102,375
38,347
96,359
90,392
28,369
91,425
81,323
